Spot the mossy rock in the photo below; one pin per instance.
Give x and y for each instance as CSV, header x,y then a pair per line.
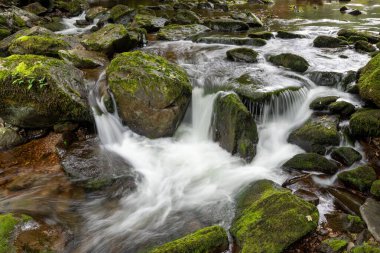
x,y
343,108
365,123
310,162
73,7
347,33
375,188
152,94
270,218
8,225
289,35
316,134
95,12
186,17
226,25
207,240
353,39
83,59
181,32
364,46
39,91
322,103
149,22
114,38
333,245
290,61
38,45
4,32
360,178
234,127
261,35
242,54
346,155
328,42
35,8
369,81
365,248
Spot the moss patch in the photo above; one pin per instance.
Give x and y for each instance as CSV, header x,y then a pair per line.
x,y
365,123
360,178
322,103
310,162
8,223
369,81
375,188
291,61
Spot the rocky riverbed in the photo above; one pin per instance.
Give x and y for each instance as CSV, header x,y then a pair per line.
x,y
189,126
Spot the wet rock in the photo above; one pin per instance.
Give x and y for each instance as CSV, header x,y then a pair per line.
x,y
289,35
326,78
234,127
35,8
269,218
307,196
310,162
343,108
365,46
186,17
226,25
8,225
353,39
122,14
365,248
371,215
322,103
82,23
347,200
316,134
261,35
242,55
346,155
95,12
150,23
72,7
53,24
38,45
15,19
249,18
9,138
343,9
365,123
328,42
333,245
209,239
154,111
342,222
181,32
360,178
290,61
114,38
369,81
355,12
228,40
347,33
38,92
375,188
83,59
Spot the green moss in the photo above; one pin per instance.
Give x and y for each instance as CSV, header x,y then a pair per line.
x,y
4,33
291,61
346,155
360,178
310,162
350,32
118,11
375,188
355,38
328,42
209,239
73,7
365,248
18,21
269,218
369,81
8,223
365,46
336,245
342,108
365,123
322,103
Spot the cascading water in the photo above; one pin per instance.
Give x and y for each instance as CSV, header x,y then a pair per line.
x,y
71,27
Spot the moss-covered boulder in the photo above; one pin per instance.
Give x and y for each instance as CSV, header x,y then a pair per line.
x,y
151,93
181,32
310,162
186,17
365,248
35,8
207,240
9,138
38,92
375,188
83,59
290,61
347,33
322,103
364,46
149,22
234,127
343,108
365,123
360,178
226,25
346,155
95,12
354,39
122,14
261,35
270,218
242,54
72,7
289,35
15,19
333,245
38,45
369,81
328,42
114,38
8,226
316,134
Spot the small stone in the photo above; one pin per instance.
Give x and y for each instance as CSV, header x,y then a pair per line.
x,y
355,12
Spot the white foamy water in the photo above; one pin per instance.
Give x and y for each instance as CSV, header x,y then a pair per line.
x,y
71,28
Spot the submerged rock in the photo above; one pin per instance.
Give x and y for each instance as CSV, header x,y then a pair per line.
x,y
226,25
209,239
270,218
310,162
291,61
326,78
316,134
289,35
150,23
114,39
38,92
369,81
371,215
360,178
234,127
346,199
151,93
83,59
181,32
242,54
328,42
346,155
322,103
365,123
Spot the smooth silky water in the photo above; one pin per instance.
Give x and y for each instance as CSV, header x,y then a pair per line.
x,y
187,182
